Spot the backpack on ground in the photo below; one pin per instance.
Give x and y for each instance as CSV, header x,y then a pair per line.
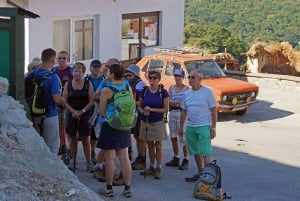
x,y
209,184
34,93
124,116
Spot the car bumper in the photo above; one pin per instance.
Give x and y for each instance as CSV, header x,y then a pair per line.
x,y
233,108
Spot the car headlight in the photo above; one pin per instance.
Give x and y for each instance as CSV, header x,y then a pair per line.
x,y
224,98
252,94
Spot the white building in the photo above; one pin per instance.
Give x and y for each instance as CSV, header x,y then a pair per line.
x,y
101,29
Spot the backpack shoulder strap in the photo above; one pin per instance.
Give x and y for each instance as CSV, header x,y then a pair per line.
x,y
144,91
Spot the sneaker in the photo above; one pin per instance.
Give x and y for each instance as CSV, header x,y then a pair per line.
x,y
192,179
184,165
99,174
90,166
127,193
157,173
106,192
175,162
62,150
93,156
149,172
72,165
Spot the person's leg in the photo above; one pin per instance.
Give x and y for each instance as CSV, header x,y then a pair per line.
x,y
86,147
51,133
110,156
125,165
62,132
159,158
173,129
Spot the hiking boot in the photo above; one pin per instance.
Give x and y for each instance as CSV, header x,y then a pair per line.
x,y
90,166
157,173
192,179
67,157
106,192
149,172
127,193
62,150
99,174
72,165
184,165
139,163
175,162
93,156
119,181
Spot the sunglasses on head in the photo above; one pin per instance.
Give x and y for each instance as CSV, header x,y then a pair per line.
x,y
153,77
191,77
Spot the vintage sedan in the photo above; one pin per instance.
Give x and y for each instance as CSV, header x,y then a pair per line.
x,y
232,95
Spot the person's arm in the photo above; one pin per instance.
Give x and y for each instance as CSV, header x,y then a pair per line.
x,y
183,114
214,116
103,101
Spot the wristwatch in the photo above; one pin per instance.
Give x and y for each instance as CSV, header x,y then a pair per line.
x,y
83,110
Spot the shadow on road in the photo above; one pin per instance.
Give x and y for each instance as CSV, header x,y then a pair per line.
x,y
260,111
249,178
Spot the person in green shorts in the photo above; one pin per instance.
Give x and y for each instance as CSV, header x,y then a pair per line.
x,y
199,110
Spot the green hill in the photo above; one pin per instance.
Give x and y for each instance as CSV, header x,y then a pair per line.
x,y
245,20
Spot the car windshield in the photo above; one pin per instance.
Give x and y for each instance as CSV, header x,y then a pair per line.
x,y
209,68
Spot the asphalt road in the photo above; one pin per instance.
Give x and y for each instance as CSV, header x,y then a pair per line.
x,y
258,153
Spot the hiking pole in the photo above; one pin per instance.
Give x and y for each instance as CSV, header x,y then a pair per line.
x,y
147,124
76,144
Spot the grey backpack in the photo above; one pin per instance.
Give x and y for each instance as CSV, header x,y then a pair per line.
x,y
209,185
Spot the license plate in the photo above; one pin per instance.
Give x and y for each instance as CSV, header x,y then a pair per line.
x,y
238,108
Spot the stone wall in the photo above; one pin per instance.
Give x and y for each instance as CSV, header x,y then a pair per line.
x,y
274,81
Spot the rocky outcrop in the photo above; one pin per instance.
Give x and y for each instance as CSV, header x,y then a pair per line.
x,y
28,170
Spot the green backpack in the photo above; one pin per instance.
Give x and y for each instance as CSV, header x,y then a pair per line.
x,y
125,116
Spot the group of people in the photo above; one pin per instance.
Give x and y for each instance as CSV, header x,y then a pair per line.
x,y
73,99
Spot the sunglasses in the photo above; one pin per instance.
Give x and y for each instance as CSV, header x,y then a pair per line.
x,y
152,77
63,58
191,77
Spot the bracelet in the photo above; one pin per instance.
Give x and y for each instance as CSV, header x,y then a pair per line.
x,y
83,110
214,129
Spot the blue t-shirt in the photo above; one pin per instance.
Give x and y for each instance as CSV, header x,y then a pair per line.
x,y
52,86
154,100
198,104
95,81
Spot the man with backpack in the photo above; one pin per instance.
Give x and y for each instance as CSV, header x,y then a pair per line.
x,y
49,95
65,73
198,108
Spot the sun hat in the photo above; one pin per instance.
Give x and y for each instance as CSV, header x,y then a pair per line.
x,y
133,68
95,62
34,63
179,72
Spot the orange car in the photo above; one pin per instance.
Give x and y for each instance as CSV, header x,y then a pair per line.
x,y
232,95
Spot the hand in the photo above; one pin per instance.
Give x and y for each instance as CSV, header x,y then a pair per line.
x,y
180,132
147,110
212,133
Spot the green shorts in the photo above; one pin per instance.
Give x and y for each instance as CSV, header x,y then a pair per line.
x,y
198,140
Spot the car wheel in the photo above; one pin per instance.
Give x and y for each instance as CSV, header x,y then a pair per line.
x,y
241,112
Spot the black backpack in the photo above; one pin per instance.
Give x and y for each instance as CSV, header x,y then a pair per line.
x,y
34,93
209,184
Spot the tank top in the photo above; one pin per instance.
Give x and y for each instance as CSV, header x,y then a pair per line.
x,y
176,96
78,98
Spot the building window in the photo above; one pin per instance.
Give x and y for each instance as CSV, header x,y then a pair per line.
x,y
139,30
75,36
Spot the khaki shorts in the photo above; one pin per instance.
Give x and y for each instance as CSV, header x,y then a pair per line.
x,y
156,131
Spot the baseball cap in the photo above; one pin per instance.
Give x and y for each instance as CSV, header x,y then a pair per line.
x,y
96,62
179,72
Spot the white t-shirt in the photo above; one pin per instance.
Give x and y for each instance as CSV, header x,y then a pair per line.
x,y
198,104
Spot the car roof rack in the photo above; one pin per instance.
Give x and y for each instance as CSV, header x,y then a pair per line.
x,y
180,50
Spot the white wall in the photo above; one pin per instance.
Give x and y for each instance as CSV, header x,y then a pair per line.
x,y
110,12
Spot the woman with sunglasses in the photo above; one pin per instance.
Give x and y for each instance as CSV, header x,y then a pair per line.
x,y
153,103
176,95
